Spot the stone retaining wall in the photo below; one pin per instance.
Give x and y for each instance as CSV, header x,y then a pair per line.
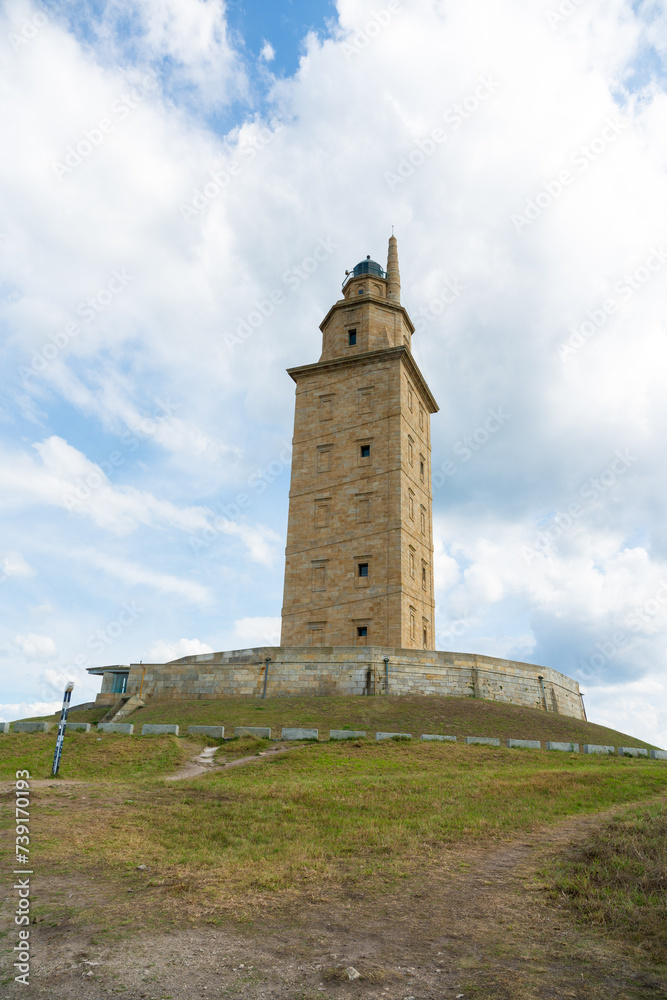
x,y
352,670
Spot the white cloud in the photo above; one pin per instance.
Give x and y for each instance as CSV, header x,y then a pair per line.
x,y
26,710
164,650
14,564
39,647
249,632
268,52
519,103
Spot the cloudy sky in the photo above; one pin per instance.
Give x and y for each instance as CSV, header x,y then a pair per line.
x,y
169,169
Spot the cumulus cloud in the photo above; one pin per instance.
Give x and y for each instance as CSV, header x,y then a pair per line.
x,y
249,632
14,564
39,647
523,165
164,650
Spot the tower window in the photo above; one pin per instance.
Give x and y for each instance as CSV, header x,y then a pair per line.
x,y
424,577
425,636
365,451
422,467
421,417
363,569
362,630
351,338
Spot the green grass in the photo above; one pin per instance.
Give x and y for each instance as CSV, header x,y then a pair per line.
x,y
89,757
617,879
419,714
379,810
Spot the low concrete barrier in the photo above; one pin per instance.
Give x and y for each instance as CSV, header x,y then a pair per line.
x,y
524,744
632,752
32,727
487,741
127,728
393,736
217,732
4,727
433,736
261,732
300,734
149,729
346,734
565,747
658,754
594,748
78,727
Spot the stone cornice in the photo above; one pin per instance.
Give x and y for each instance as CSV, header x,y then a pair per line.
x,y
375,300
387,353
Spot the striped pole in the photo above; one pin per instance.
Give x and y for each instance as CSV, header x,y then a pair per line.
x,y
61,729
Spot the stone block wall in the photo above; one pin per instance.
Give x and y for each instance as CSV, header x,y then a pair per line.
x,y
355,670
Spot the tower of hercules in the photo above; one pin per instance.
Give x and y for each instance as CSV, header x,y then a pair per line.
x,y
359,556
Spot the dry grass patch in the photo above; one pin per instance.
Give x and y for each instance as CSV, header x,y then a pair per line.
x,y
617,880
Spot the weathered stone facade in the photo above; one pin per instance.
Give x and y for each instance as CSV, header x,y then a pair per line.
x,y
327,670
359,556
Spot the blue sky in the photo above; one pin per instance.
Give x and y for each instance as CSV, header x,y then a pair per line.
x,y
167,168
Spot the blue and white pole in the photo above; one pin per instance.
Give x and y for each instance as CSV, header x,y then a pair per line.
x,y
61,729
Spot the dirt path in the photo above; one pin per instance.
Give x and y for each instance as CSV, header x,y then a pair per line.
x,y
204,762
477,925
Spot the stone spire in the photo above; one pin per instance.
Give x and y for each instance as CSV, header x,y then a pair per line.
x,y
393,274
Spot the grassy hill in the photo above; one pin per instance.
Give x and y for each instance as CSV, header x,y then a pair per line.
x,y
419,714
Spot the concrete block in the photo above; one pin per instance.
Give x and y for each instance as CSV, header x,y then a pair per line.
x,y
594,748
565,747
391,736
32,727
261,732
346,734
77,727
299,734
4,727
149,729
433,736
524,744
116,727
632,752
658,754
487,741
217,732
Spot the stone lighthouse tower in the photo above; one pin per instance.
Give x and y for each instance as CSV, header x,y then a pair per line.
x,y
359,556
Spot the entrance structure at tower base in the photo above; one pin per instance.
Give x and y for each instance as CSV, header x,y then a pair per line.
x,y
275,671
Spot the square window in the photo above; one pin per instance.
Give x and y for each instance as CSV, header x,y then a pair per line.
x,y
362,630
351,338
363,569
365,451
